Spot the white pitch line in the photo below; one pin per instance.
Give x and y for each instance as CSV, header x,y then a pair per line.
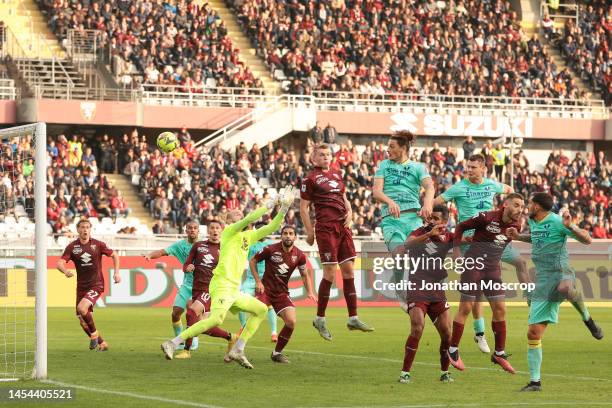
x,y
396,361
492,404
131,395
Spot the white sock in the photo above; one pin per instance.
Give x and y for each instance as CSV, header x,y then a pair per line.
x,y
500,353
320,319
353,318
452,349
275,353
239,346
177,341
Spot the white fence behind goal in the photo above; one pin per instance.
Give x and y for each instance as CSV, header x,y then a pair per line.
x,y
23,273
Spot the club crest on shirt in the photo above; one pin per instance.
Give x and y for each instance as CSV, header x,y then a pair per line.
x,y
245,244
294,258
93,246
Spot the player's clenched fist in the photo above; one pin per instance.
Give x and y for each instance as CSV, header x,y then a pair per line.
x,y
512,233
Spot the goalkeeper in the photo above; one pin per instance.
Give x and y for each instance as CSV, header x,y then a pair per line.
x,y
225,284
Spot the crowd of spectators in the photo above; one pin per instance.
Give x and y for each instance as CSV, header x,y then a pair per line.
x,y
586,43
181,43
206,184
74,186
462,47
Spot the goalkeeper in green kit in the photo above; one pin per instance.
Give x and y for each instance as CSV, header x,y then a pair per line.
x,y
225,284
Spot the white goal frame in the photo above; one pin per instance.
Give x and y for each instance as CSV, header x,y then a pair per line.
x,y
40,245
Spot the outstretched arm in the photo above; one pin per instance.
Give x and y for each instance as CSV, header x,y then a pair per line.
x,y
272,226
243,223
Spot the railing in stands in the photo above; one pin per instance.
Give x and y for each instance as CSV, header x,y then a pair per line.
x,y
565,11
267,105
7,89
355,101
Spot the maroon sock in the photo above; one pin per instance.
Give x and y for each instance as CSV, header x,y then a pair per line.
x,y
283,338
85,327
218,332
499,330
89,321
324,288
192,318
457,333
350,295
444,360
409,352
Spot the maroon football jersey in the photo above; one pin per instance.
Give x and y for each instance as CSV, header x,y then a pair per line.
x,y
280,264
87,259
204,255
326,190
489,238
431,253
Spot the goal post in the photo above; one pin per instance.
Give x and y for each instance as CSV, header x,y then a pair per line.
x,y
23,252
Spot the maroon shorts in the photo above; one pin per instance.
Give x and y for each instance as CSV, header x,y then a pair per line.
x,y
92,295
203,297
482,282
278,302
432,309
335,243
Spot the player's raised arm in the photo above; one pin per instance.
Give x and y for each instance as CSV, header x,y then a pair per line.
x,y
253,216
379,195
580,234
286,199
507,189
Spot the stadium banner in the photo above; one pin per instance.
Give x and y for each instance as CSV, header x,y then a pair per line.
x,y
155,283
111,113
433,124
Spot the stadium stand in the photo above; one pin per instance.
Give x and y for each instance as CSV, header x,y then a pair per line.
x,y
585,44
158,43
470,48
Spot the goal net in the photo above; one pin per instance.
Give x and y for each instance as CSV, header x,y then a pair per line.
x,y
23,254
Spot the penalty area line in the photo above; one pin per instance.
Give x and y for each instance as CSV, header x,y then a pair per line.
x,y
131,395
397,361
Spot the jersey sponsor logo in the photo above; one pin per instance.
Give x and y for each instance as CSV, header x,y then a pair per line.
x,y
277,258
283,269
77,250
493,228
86,259
321,180
203,249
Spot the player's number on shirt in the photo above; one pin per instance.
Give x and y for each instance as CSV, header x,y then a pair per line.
x,y
481,205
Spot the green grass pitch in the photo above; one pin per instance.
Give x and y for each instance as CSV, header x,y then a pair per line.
x,y
355,369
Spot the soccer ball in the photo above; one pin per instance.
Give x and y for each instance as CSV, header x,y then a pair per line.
x,y
167,142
